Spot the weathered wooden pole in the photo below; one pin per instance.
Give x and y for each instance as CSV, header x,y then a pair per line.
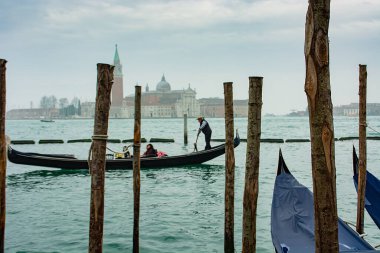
x,y
230,170
251,189
98,162
3,151
136,169
362,147
185,128
318,91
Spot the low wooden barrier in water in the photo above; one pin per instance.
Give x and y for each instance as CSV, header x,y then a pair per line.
x,y
297,140
113,140
374,138
171,140
349,138
131,140
51,141
79,140
16,142
218,140
160,140
272,140
267,140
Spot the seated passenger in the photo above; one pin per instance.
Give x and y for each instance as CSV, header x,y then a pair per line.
x,y
161,154
126,152
150,151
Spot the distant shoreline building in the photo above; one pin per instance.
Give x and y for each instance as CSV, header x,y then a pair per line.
x,y
373,109
214,107
88,110
153,107
165,102
118,108
117,86
350,110
33,113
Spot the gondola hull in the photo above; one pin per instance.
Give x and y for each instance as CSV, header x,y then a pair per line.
x,y
292,218
67,162
372,191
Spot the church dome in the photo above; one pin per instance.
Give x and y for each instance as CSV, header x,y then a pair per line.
x,y
163,85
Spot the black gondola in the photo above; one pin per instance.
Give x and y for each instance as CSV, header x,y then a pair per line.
x,y
71,163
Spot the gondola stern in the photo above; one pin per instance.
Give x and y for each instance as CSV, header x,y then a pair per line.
x,y
10,153
355,161
282,168
236,140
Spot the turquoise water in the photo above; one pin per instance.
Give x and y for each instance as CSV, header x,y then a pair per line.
x,y
182,209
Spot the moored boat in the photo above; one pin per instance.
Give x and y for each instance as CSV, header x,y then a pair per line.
x,y
47,120
292,218
372,191
71,163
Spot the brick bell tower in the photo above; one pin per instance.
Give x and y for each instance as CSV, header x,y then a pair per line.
x,y
117,87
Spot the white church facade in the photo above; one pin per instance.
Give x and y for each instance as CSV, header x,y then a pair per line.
x,y
163,102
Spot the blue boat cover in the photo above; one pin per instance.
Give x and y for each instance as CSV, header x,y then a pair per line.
x,y
372,191
292,218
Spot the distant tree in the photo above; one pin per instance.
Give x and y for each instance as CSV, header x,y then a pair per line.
x,y
44,102
79,108
63,102
52,101
75,102
48,102
65,109
70,110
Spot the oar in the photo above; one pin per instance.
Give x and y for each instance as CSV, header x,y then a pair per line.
x,y
195,144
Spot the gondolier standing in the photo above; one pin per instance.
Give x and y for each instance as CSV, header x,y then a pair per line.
x,y
204,127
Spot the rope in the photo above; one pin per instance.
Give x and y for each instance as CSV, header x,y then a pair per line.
x,y
112,150
366,125
89,157
373,129
98,137
354,226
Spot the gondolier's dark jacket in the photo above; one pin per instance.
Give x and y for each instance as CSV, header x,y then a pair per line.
x,y
205,127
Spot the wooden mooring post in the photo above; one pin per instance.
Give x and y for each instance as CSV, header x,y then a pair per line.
x,y
3,151
97,163
185,129
136,169
230,170
318,91
251,188
362,148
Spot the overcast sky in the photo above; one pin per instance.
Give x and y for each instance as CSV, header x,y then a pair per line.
x,y
53,46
